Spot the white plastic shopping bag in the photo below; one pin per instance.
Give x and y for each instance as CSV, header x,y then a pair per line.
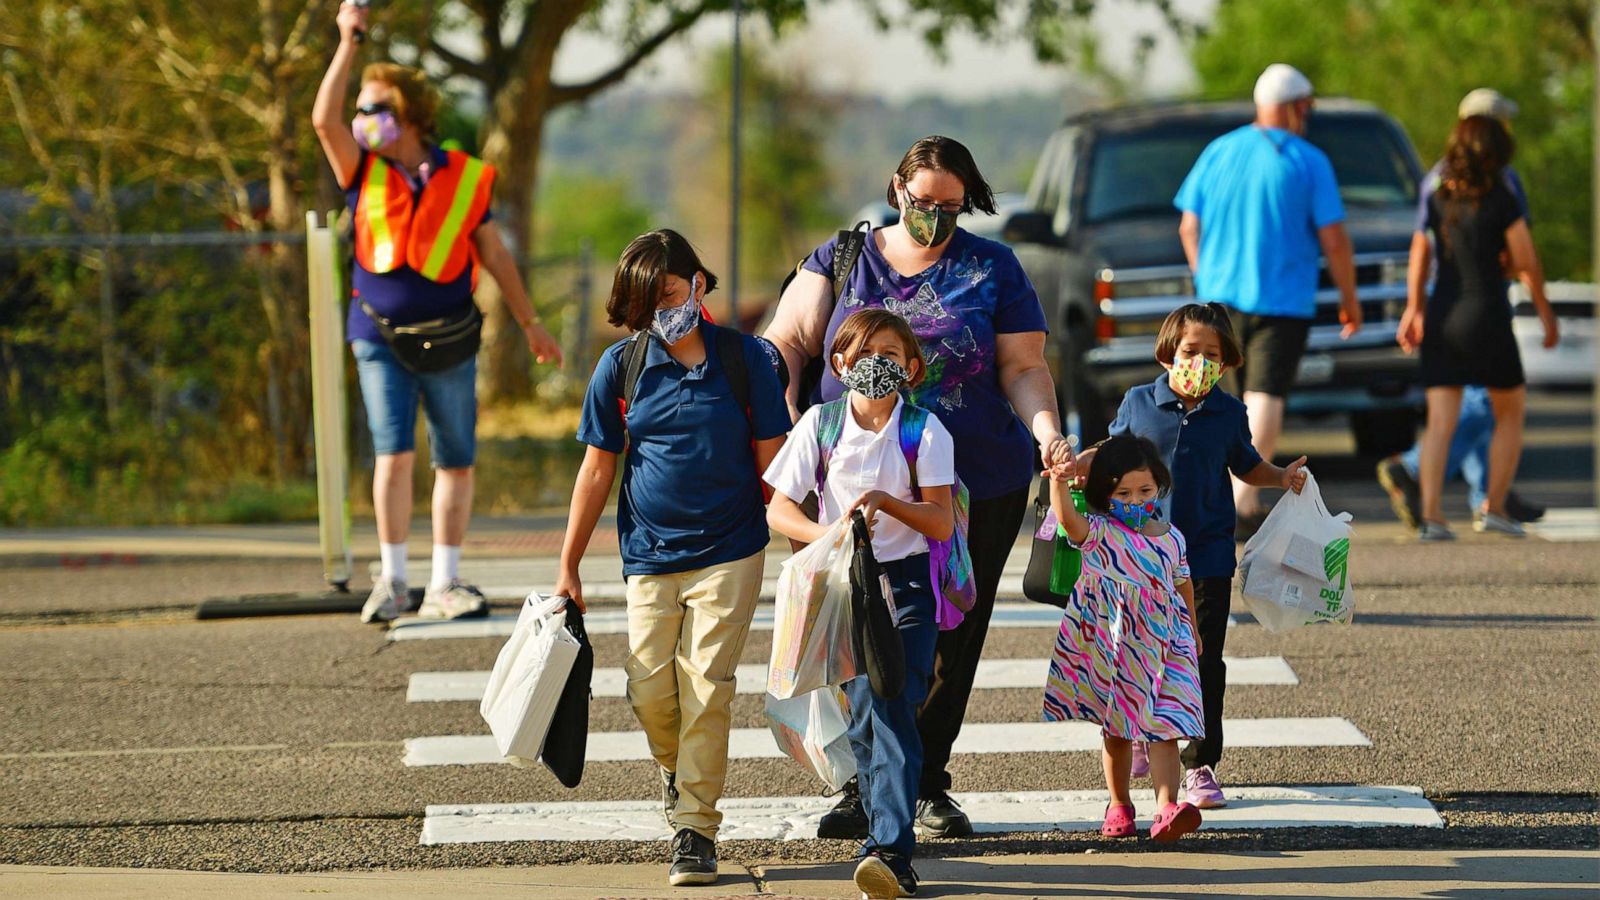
x,y
1296,568
812,729
811,634
528,678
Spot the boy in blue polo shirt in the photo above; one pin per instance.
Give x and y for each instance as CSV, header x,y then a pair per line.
x,y
1203,435
691,518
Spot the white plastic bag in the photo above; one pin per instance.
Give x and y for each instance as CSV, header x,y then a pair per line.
x,y
528,678
811,632
813,729
1295,569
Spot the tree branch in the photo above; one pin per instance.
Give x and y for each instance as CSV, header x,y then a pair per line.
x,y
458,64
563,94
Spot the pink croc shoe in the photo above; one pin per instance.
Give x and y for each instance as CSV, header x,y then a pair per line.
x,y
1119,821
1141,760
1174,821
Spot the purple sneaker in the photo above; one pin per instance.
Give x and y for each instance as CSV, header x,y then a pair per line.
x,y
1141,760
1202,788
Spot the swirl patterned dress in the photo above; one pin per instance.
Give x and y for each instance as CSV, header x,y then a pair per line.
x,y
1125,656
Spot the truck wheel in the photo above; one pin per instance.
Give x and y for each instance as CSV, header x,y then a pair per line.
x,y
1384,432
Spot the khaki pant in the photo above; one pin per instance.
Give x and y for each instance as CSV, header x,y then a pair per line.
x,y
686,632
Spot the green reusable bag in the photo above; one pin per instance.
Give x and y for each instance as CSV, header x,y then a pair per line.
x,y
1068,562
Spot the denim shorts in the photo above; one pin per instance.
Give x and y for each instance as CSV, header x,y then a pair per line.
x,y
449,401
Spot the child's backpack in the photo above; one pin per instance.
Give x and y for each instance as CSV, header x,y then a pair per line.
x,y
730,349
949,561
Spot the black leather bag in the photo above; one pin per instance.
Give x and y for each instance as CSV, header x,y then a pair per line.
x,y
877,638
1042,555
566,744
431,346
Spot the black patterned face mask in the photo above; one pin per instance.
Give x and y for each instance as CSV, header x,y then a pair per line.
x,y
874,377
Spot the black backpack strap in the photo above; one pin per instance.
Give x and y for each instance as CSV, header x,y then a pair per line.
x,y
633,366
730,348
845,253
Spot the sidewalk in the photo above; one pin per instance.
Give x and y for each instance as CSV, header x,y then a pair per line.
x,y
1523,874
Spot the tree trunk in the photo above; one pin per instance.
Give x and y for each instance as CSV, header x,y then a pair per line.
x,y
513,135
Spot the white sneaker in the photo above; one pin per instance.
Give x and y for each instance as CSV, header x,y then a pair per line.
x,y
456,600
386,602
1499,524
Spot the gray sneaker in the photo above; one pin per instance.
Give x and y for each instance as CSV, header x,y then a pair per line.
x,y
456,600
1494,522
386,602
1435,532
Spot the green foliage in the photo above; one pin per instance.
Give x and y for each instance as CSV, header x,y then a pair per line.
x,y
578,205
1417,58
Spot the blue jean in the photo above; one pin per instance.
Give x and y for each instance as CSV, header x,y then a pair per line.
x,y
1469,448
449,401
883,733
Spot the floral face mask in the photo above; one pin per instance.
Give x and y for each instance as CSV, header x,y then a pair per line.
x,y
1133,515
874,377
1196,376
673,323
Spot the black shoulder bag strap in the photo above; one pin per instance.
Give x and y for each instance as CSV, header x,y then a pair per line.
x,y
730,347
845,253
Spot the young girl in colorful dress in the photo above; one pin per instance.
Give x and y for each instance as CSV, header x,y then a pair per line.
x,y
1125,657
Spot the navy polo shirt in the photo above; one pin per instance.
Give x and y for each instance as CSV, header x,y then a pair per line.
x,y
691,494
1200,447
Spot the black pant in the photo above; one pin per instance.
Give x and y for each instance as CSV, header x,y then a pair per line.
x,y
1212,597
992,532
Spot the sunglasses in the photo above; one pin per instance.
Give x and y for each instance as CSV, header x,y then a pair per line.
x,y
372,109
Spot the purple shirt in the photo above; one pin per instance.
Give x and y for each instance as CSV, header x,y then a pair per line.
x,y
956,306
403,295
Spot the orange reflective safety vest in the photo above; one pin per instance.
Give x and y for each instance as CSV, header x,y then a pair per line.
x,y
431,235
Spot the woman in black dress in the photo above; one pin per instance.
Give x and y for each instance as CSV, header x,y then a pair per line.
x,y
1464,330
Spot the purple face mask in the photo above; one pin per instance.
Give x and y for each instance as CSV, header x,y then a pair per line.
x,y
376,131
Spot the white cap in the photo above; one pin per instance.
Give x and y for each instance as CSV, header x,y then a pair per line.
x,y
1487,102
1281,83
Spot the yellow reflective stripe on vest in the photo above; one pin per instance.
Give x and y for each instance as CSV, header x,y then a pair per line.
x,y
377,197
445,240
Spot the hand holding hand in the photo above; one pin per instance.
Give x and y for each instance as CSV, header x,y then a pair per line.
x,y
1066,469
1055,449
1294,476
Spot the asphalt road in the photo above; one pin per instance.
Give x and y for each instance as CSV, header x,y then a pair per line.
x,y
135,736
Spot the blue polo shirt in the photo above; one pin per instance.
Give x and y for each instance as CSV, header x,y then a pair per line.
x,y
1261,195
691,494
403,295
1200,447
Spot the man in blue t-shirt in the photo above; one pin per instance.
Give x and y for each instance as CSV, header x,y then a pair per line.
x,y
1469,447
1260,207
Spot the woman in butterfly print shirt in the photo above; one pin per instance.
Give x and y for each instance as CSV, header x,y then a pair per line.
x,y
982,332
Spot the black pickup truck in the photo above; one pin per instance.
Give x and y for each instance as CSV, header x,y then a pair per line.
x,y
1098,235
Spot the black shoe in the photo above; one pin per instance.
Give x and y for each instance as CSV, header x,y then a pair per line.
x,y
848,818
885,876
694,859
669,795
1405,497
939,816
1522,509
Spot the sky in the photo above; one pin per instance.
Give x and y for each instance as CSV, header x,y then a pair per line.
x,y
844,51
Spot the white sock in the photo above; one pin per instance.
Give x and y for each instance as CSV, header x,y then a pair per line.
x,y
394,561
446,565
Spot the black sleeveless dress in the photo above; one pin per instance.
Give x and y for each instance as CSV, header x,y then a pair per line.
x,y
1466,336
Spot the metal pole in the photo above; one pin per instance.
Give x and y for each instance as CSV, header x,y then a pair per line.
x,y
328,402
580,353
737,151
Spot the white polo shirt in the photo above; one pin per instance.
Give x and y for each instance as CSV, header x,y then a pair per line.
x,y
862,462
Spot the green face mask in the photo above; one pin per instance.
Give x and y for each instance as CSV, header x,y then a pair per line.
x,y
930,228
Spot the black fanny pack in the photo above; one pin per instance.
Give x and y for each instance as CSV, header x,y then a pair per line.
x,y
434,345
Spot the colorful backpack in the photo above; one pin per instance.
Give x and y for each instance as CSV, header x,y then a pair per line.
x,y
950,562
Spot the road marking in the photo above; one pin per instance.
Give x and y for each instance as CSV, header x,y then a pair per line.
x,y
146,751
428,687
1563,525
976,738
1007,614
795,818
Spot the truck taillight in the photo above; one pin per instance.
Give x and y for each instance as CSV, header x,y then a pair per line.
x,y
1104,289
1105,328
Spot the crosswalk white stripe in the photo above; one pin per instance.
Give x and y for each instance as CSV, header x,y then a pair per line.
x,y
976,738
1007,614
427,687
1581,524
795,818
